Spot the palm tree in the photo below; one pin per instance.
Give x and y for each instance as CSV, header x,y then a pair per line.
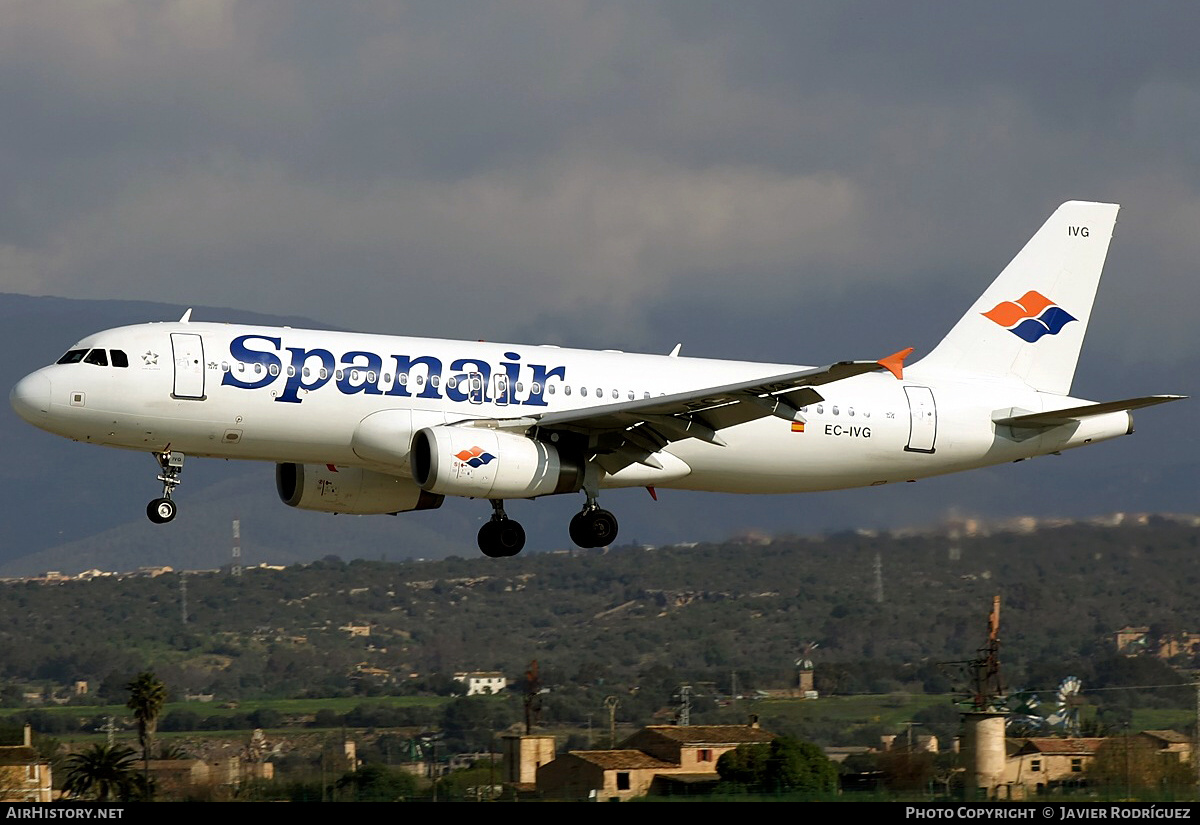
x,y
105,771
147,695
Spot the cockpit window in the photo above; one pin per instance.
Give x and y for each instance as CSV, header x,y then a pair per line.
x,y
98,357
119,358
73,356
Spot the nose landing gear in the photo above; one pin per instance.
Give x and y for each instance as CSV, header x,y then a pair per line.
x,y
163,510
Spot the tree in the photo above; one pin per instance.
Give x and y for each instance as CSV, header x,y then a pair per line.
x,y
786,765
103,771
1125,763
376,783
147,695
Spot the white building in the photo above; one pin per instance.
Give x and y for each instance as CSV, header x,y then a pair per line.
x,y
478,682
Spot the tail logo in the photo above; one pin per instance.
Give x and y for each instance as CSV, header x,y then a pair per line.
x,y
475,457
1033,316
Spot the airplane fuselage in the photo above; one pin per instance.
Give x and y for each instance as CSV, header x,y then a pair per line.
x,y
293,395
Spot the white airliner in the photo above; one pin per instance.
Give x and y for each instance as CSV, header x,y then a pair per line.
x,y
380,424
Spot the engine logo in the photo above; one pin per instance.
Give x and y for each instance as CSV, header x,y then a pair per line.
x,y
474,457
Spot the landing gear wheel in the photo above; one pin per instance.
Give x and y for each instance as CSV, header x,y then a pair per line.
x,y
501,538
593,528
161,510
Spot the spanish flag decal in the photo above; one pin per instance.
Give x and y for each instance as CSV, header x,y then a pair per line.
x,y
797,426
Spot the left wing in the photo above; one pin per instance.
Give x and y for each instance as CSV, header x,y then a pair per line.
x,y
633,431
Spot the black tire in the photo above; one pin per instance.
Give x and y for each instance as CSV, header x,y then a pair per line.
x,y
161,510
510,535
593,528
580,534
488,544
500,539
603,528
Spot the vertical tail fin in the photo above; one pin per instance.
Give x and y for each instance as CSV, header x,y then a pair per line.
x,y
1030,322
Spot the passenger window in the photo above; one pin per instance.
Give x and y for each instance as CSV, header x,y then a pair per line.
x,y
435,380
307,372
324,374
583,391
850,411
119,358
258,369
645,395
550,389
98,357
520,387
820,409
616,394
273,369
451,382
631,395
535,388
339,375
291,371
403,378
73,356
224,366
835,409
567,390
353,375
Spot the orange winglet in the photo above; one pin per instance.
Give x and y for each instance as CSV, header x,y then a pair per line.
x,y
894,363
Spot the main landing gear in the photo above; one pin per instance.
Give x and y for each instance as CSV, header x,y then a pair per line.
x,y
501,536
162,510
593,527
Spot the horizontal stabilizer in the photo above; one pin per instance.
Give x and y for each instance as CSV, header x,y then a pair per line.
x,y
1055,418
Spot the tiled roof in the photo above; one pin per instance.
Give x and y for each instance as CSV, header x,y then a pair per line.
x,y
622,760
1172,736
1062,746
710,734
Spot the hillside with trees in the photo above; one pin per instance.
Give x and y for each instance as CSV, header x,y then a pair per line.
x,y
632,620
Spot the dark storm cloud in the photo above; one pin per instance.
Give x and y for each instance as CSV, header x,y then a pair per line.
x,y
578,171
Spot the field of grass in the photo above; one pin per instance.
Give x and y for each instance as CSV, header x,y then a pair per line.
x,y
295,707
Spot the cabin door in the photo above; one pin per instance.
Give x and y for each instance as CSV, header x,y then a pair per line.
x,y
188,351
922,417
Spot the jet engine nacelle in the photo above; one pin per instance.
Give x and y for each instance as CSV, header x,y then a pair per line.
x,y
482,463
350,490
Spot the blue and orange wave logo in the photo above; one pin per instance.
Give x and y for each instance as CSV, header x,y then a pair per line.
x,y
1033,316
474,457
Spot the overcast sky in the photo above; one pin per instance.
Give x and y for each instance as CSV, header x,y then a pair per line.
x,y
798,182
588,172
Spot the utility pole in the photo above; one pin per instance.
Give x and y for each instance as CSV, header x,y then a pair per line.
x,y
235,567
611,703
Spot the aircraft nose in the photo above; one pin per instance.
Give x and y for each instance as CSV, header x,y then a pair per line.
x,y
31,398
